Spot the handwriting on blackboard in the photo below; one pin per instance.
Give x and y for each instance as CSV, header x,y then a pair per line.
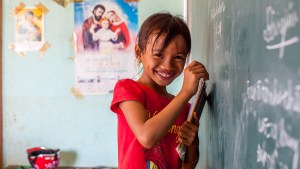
x,y
278,133
217,9
277,25
270,92
286,95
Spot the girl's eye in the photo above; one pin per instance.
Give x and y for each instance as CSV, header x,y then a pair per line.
x,y
179,57
157,54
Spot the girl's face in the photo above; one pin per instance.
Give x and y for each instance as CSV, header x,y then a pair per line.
x,y
162,67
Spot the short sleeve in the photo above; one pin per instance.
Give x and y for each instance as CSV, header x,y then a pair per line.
x,y
126,89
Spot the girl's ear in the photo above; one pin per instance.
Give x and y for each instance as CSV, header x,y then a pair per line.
x,y
137,50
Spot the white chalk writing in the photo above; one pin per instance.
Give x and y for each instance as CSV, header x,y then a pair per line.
x,y
287,96
218,29
217,9
276,26
217,34
278,133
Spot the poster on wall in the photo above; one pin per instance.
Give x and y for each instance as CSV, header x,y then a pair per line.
x,y
105,34
29,30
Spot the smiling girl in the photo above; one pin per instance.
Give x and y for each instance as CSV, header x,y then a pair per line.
x,y
151,121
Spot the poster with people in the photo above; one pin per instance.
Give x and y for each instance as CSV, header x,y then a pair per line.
x,y
29,34
105,34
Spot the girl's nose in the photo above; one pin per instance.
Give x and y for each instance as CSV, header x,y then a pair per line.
x,y
167,63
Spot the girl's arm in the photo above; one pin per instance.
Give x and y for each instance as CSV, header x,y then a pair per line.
x,y
149,131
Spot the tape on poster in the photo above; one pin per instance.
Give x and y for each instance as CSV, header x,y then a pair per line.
x,y
12,46
76,93
17,9
76,0
41,7
63,3
44,48
72,58
73,41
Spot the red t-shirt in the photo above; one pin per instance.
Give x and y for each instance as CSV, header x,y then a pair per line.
x,y
131,154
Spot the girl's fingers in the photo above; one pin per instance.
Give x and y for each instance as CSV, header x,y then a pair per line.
x,y
187,134
186,141
193,63
204,75
192,74
198,69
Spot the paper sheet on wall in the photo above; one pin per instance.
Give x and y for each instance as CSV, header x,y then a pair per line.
x,y
105,33
29,30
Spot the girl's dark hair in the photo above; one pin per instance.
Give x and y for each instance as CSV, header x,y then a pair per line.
x,y
164,24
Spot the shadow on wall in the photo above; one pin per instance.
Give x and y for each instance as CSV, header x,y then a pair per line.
x,y
68,158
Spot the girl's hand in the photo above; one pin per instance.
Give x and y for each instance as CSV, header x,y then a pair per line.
x,y
192,74
189,131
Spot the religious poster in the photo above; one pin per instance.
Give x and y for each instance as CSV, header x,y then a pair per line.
x,y
105,34
29,31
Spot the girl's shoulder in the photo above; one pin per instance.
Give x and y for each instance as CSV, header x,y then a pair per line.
x,y
132,86
126,89
124,82
127,84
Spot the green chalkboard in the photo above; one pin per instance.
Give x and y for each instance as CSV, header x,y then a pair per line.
x,y
252,52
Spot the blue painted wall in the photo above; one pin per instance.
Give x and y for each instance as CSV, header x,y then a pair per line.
x,y
38,106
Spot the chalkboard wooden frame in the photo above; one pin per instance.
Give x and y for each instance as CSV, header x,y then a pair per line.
x,y
1,144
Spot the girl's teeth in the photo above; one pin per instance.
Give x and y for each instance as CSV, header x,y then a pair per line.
x,y
164,74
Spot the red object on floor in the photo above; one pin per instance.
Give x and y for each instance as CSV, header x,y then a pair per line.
x,y
43,158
